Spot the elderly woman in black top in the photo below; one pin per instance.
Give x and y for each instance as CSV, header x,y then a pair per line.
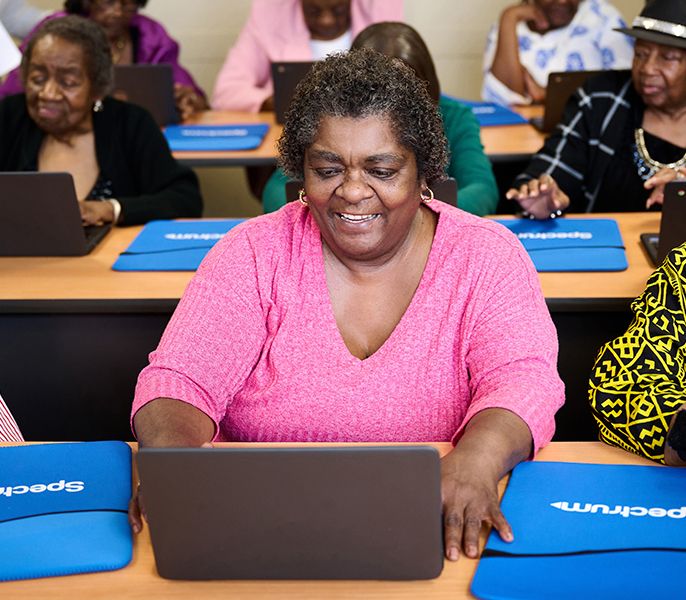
x,y
122,168
623,135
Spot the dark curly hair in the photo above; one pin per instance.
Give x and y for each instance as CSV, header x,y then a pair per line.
x,y
89,37
82,7
358,84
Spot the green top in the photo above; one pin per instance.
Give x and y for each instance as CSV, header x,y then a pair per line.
x,y
477,192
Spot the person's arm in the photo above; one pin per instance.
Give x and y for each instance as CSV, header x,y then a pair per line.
x,y
495,440
506,66
477,191
515,391
560,166
165,188
244,81
637,383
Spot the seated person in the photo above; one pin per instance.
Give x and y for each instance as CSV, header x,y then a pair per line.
x,y
133,39
537,37
637,387
122,168
290,30
366,312
477,191
9,431
623,135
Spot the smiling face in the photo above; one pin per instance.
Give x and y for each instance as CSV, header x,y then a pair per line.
x,y
659,75
362,188
326,19
559,13
58,91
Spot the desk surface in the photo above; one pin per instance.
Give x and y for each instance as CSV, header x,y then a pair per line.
x,y
140,580
91,278
508,142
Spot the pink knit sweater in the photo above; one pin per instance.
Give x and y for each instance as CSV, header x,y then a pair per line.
x,y
254,343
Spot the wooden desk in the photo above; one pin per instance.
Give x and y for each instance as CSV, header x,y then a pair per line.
x,y
507,143
76,334
140,580
501,143
265,154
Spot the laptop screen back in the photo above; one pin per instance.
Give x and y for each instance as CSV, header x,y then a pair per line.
x,y
285,77
39,215
294,513
561,86
149,86
673,222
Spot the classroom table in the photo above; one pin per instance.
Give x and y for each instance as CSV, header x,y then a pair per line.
x,y
140,579
76,334
504,143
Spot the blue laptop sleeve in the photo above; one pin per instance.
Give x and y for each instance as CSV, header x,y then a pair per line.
x,y
63,509
571,244
489,114
173,245
588,531
215,137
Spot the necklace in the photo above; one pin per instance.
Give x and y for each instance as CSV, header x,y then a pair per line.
x,y
117,48
650,163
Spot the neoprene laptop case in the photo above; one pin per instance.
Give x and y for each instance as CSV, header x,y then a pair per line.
x,y
63,509
173,245
570,244
585,531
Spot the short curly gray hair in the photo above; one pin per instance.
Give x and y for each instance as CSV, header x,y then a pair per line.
x,y
90,37
358,84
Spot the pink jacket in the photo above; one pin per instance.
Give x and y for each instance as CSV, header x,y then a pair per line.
x,y
276,31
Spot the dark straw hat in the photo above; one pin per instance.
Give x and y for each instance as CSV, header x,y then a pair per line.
x,y
662,22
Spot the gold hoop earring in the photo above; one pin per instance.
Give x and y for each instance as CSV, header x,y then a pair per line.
x,y
426,195
302,198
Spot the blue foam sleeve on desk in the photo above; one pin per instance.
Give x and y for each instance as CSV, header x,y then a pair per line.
x,y
215,137
570,244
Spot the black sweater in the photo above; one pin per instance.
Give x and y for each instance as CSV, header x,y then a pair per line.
x,y
131,152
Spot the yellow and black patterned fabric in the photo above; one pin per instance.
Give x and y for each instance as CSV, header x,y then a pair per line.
x,y
637,382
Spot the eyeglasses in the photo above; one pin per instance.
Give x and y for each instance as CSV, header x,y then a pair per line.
x,y
127,6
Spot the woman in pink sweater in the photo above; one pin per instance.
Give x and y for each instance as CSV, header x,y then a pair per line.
x,y
368,311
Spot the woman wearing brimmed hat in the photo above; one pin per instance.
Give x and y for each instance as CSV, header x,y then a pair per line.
x,y
623,135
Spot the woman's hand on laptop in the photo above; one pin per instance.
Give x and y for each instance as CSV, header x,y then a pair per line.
x,y
494,441
540,198
96,212
658,181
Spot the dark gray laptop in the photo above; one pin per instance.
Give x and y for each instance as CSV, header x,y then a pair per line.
x,y
294,513
561,85
445,190
39,216
672,224
285,77
149,86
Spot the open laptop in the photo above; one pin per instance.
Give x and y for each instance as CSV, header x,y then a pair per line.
x,y
672,224
149,86
445,190
285,77
344,512
39,216
561,85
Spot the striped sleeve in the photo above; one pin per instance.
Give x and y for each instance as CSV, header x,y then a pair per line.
x,y
9,431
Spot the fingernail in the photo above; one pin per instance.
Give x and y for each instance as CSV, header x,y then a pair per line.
x,y
453,554
471,551
508,537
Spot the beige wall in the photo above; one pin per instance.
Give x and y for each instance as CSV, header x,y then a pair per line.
x,y
455,31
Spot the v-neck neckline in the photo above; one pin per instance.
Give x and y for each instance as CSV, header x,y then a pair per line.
x,y
327,307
